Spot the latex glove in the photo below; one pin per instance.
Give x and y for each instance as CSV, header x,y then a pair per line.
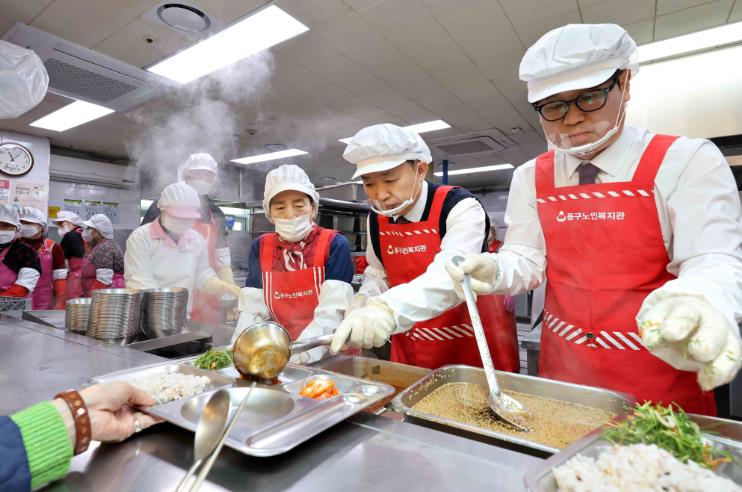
x,y
226,274
252,308
481,267
691,335
218,287
111,410
366,327
359,300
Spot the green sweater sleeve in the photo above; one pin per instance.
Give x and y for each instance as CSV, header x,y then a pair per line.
x,y
48,446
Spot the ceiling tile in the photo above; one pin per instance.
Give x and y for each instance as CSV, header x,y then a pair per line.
x,y
374,54
391,100
449,108
352,105
530,32
667,6
100,19
349,33
641,31
411,80
227,11
486,35
129,46
304,49
528,11
694,19
431,48
313,13
346,73
397,16
446,8
624,12
736,14
362,4
15,11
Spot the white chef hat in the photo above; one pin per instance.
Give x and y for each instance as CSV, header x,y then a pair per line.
x,y
23,80
382,147
34,216
198,161
181,201
287,177
67,216
9,215
100,223
576,56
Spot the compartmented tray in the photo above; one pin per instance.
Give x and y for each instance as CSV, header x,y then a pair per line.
x,y
541,478
599,398
276,418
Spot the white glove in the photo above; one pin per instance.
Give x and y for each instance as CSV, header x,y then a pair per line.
x,y
359,300
366,327
252,309
691,335
481,267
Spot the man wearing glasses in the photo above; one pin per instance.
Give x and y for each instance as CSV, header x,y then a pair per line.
x,y
638,234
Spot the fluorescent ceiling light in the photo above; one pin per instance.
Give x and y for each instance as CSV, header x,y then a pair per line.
x,y
697,41
252,159
428,126
471,170
72,115
256,33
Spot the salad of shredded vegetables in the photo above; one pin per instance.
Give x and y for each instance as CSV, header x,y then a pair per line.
x,y
214,359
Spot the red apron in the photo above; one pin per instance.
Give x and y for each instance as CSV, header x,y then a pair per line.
x,y
74,276
43,294
291,297
605,254
206,306
407,250
8,277
89,275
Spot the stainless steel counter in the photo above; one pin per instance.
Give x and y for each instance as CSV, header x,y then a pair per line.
x,y
366,453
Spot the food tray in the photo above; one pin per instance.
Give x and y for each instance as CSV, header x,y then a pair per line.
x,y
291,373
276,419
599,398
541,478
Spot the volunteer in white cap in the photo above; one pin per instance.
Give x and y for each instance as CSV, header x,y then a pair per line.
x,y
103,265
74,248
299,275
19,264
51,289
169,253
415,227
200,172
642,234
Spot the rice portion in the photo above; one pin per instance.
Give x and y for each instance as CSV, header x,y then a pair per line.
x,y
638,468
168,387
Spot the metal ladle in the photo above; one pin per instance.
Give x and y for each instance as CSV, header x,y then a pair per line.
x,y
503,406
263,349
208,432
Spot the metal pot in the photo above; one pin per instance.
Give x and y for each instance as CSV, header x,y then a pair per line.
x,y
263,349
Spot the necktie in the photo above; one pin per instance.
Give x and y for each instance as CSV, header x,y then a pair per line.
x,y
401,220
588,173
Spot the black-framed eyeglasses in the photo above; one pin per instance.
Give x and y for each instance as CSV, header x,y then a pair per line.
x,y
588,101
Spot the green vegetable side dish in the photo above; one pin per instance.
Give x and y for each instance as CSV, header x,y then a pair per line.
x,y
670,429
214,360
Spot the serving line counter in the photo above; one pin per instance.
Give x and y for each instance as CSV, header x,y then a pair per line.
x,y
366,452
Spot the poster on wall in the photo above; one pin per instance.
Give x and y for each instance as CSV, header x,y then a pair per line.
x,y
30,188
5,191
29,194
73,206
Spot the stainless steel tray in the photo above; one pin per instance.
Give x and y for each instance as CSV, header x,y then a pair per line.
x,y
584,395
276,419
541,478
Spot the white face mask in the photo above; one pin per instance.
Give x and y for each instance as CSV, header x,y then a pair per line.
x,y
201,186
293,230
7,236
176,226
392,212
64,229
87,235
30,230
592,146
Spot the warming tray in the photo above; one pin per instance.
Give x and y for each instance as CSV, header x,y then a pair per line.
x,y
541,478
276,418
612,401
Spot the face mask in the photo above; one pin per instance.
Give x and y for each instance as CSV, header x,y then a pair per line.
x,y
87,235
176,226
376,206
6,236
30,230
293,230
201,186
590,147
64,230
